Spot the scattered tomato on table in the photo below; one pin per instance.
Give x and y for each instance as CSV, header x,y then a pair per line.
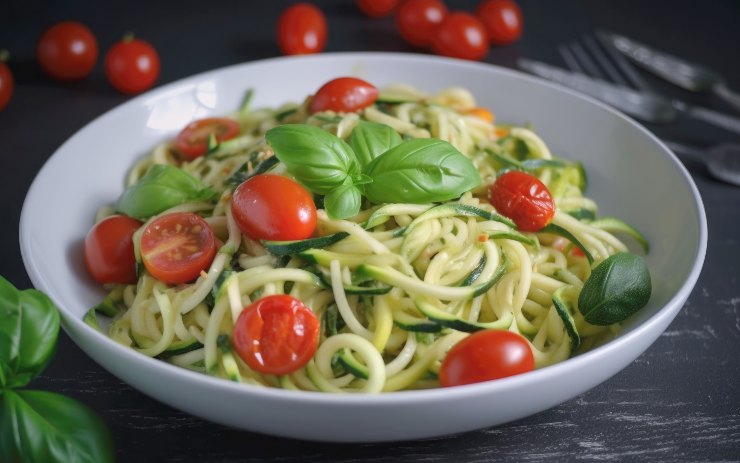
x,y
502,19
192,141
524,199
109,250
301,30
461,35
416,20
6,80
376,8
344,94
67,51
132,65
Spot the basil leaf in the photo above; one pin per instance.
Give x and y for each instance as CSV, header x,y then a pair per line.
x,y
44,426
343,202
29,326
421,170
161,188
617,288
316,158
371,139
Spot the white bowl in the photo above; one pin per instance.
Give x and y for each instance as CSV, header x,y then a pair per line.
x,y
631,175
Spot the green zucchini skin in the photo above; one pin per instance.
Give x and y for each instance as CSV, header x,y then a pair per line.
x,y
287,248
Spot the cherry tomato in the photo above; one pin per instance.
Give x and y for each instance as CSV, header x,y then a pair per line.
x,y
376,8
6,80
131,65
67,51
345,95
273,207
416,20
502,19
461,35
484,356
192,141
176,247
276,335
301,30
109,250
524,199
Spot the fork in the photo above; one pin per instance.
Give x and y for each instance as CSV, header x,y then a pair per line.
x,y
596,58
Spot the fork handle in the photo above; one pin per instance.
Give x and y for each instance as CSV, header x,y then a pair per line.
x,y
716,118
728,95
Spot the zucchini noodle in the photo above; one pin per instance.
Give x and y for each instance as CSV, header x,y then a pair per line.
x,y
441,271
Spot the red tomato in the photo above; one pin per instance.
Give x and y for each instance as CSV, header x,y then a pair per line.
x,y
67,51
273,207
301,30
6,80
276,335
376,8
192,141
416,20
176,247
109,250
131,65
503,20
344,95
524,199
484,356
461,35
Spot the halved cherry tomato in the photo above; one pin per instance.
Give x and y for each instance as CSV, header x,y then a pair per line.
x,y
6,80
176,247
273,207
524,199
503,20
276,335
67,51
484,356
192,141
344,95
301,30
109,250
416,20
376,8
132,65
461,35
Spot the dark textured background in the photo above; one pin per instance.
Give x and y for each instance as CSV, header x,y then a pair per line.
x,y
680,401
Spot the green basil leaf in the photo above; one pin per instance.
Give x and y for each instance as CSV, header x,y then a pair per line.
x,y
316,158
421,170
343,202
617,288
371,139
161,188
29,326
46,427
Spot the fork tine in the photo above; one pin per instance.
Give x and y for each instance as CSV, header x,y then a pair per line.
x,y
625,66
586,62
604,62
570,59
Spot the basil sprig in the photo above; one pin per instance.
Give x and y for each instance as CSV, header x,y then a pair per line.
x,y
39,425
376,163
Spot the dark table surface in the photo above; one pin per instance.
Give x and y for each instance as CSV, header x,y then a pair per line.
x,y
679,401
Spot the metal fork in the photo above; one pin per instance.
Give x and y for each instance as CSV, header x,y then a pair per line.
x,y
597,58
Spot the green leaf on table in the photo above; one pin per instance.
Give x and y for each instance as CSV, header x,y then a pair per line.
x,y
371,139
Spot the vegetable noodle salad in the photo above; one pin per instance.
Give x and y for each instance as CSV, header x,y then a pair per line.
x,y
361,241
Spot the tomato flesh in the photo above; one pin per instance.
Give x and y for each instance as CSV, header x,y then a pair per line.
x,y
192,141
273,207
301,30
484,356
176,247
376,8
132,66
416,20
344,95
67,51
109,250
276,335
502,19
524,199
461,35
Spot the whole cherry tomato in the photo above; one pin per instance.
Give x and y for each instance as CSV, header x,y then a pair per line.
x,y
131,65
273,207
6,80
276,335
461,35
524,199
176,247
109,250
67,51
376,8
503,20
301,30
345,95
192,141
416,20
484,356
